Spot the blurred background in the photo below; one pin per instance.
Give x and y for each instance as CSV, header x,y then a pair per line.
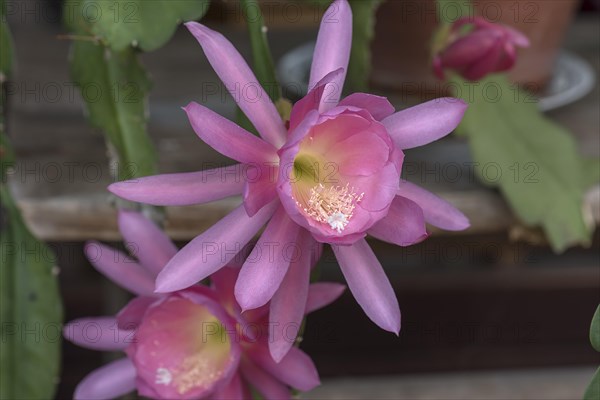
x,y
491,312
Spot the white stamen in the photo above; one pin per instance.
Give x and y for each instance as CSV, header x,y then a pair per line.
x,y
334,205
163,376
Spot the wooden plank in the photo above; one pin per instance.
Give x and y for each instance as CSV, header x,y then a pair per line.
x,y
527,384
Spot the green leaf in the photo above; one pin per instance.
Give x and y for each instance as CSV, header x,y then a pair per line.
x,y
6,57
7,157
532,160
363,31
30,311
114,86
593,391
264,68
139,23
595,330
592,168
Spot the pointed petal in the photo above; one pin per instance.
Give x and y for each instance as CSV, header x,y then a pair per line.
x,y
261,187
212,249
100,333
146,241
516,37
296,369
438,212
289,302
184,188
369,284
267,385
268,262
317,98
119,268
227,137
241,83
131,315
333,47
108,382
404,225
425,123
379,107
322,294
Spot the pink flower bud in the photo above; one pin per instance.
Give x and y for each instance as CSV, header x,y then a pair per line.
x,y
484,48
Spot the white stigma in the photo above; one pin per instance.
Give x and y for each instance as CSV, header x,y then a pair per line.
x,y
338,221
163,376
333,205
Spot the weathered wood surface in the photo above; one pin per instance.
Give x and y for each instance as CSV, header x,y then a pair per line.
x,y
62,173
534,384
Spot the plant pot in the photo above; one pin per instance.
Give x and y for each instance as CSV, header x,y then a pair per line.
x,y
404,29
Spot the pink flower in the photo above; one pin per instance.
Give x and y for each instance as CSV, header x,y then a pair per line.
x,y
188,344
332,176
485,48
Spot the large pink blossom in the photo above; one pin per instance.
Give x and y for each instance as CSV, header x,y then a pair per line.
x,y
329,175
190,344
484,48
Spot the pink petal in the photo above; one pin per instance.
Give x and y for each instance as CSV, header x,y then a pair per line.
x,y
369,284
404,225
260,188
361,154
296,369
193,340
119,268
100,333
516,37
227,137
241,83
438,68
379,107
145,389
131,315
289,302
333,47
146,241
485,64
320,94
377,187
265,384
268,262
234,390
438,212
223,282
322,294
468,49
184,188
108,382
212,249
425,123
508,58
